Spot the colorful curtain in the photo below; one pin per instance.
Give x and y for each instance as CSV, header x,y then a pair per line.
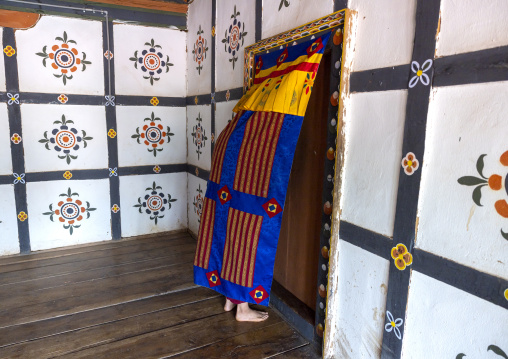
x,y
251,163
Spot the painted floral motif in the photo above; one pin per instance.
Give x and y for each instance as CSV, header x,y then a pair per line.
x,y
154,203
494,182
420,73
495,349
65,139
112,133
393,324
151,61
19,178
67,175
200,49
410,163
15,138
63,99
198,203
156,169
22,216
213,31
232,37
154,101
228,95
64,58
401,256
506,294
286,3
198,135
196,100
110,100
113,172
309,82
13,98
153,135
115,208
196,171
9,51
108,55
70,211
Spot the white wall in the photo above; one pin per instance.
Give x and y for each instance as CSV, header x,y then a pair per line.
x,y
463,123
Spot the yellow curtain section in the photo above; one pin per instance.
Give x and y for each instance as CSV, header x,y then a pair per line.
x,y
288,92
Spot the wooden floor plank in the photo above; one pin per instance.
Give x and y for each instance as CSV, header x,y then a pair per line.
x,y
91,247
33,287
49,327
175,340
75,341
26,275
127,299
181,277
306,352
259,343
74,258
83,288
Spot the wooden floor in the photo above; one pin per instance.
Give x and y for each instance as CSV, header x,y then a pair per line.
x,y
127,299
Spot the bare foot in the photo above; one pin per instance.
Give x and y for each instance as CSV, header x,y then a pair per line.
x,y
229,305
245,314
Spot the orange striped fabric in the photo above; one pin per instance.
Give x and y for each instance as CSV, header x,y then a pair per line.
x,y
241,245
220,149
257,152
205,234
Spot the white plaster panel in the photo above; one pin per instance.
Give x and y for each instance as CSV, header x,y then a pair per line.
x,y
443,321
385,33
45,234
463,123
131,121
134,189
130,78
223,115
374,131
278,18
39,119
9,242
199,47
2,62
5,141
199,136
361,290
468,26
196,196
229,72
87,78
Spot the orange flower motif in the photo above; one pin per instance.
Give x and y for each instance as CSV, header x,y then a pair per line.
x,y
66,207
112,133
64,58
153,135
410,163
154,101
22,216
115,208
9,51
67,175
401,256
213,31
157,169
63,99
15,138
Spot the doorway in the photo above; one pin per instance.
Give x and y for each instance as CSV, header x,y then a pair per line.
x,y
296,262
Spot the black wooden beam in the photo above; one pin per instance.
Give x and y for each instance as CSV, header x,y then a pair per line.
x,y
472,67
427,18
382,79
